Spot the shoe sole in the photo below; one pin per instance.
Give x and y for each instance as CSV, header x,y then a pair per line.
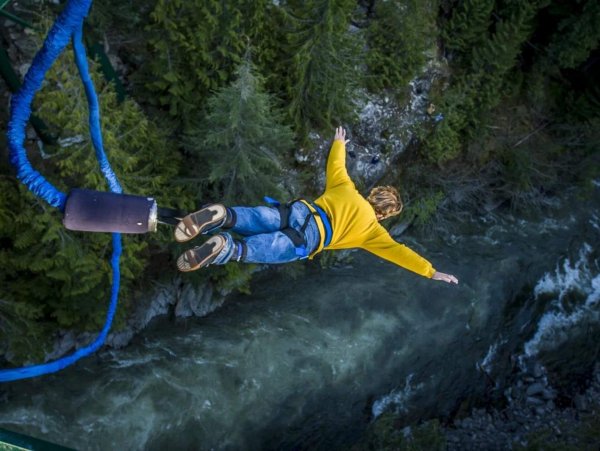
x,y
199,222
201,256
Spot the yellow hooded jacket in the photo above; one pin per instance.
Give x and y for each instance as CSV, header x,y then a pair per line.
x,y
354,222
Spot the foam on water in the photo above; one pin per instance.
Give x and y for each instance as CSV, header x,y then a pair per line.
x,y
595,221
572,276
486,363
556,325
397,398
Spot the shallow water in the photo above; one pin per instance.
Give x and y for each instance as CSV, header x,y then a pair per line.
x,y
308,362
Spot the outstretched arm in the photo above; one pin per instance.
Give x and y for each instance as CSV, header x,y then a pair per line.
x,y
336,162
386,247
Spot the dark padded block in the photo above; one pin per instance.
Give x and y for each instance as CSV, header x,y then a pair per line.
x,y
96,211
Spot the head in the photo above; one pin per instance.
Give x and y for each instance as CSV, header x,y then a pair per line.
x,y
386,202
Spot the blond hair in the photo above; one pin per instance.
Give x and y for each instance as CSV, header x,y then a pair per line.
x,y
386,201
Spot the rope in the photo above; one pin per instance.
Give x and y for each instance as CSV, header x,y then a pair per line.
x,y
67,26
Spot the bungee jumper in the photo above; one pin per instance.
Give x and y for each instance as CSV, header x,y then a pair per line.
x,y
341,218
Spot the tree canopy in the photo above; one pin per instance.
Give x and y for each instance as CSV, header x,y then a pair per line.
x,y
516,109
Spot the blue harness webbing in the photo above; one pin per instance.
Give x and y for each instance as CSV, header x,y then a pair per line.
x,y
326,224
66,27
297,237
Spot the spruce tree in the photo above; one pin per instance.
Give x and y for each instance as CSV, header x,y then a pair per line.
x,y
485,77
241,144
398,36
324,63
576,36
469,25
198,45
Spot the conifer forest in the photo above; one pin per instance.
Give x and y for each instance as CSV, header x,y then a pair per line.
x,y
211,100
214,97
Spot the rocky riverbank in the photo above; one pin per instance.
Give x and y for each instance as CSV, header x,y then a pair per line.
x,y
532,415
536,416
178,298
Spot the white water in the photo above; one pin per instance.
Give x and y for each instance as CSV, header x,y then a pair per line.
x,y
396,400
556,325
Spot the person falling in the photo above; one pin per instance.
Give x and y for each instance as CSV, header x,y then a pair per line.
x,y
339,219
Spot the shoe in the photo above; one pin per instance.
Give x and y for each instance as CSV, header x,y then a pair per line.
x,y
201,256
201,221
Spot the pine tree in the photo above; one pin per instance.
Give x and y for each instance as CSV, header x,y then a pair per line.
x,y
398,36
240,146
469,25
324,63
576,36
484,79
199,44
497,56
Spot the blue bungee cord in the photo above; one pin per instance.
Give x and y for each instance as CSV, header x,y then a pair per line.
x,y
68,26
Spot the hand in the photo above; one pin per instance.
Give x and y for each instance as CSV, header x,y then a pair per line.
x,y
340,134
448,278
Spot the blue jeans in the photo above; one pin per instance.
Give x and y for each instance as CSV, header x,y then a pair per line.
x,y
265,243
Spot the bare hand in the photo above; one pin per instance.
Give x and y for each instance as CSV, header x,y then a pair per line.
x,y
448,278
340,134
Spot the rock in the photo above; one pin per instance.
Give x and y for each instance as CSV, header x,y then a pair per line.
x,y
120,339
23,68
581,403
537,371
535,389
548,394
65,342
31,134
534,401
197,302
155,305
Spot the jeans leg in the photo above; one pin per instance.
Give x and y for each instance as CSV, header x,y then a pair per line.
x,y
273,247
227,252
263,248
256,220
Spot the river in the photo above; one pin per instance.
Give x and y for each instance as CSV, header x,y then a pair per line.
x,y
308,362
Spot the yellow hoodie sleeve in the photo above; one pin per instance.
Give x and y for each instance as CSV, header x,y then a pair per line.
x,y
384,246
336,165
